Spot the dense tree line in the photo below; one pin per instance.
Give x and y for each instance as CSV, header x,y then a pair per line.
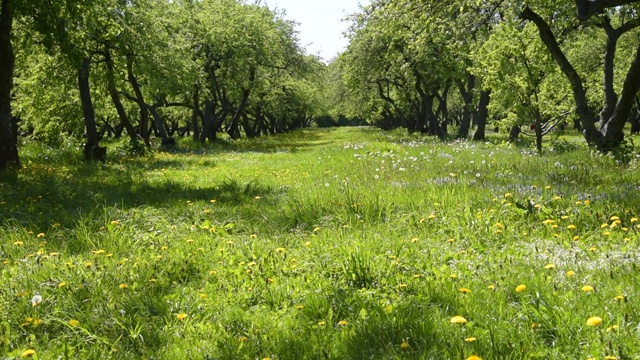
x,y
201,68
426,65
146,67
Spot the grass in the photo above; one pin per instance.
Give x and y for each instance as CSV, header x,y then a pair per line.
x,y
335,244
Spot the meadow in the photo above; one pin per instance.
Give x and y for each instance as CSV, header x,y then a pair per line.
x,y
347,243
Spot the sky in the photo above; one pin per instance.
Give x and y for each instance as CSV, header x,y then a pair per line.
x,y
320,26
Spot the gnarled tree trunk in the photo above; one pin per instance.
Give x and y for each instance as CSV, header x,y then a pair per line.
x,y
8,141
92,149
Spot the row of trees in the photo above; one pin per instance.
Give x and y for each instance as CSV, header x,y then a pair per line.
x,y
146,66
427,64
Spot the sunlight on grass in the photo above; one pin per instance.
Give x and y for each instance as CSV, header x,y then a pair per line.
x,y
348,243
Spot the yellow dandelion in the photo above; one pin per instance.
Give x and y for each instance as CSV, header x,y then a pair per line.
x,y
28,353
520,288
604,226
550,266
548,222
402,286
500,226
594,321
342,322
181,316
465,290
587,288
609,357
40,236
281,250
491,287
571,227
123,286
458,320
619,298
114,222
321,323
73,322
474,357
153,280
253,236
613,328
22,293
634,220
453,276
571,273
470,339
404,346
62,284
98,252
299,307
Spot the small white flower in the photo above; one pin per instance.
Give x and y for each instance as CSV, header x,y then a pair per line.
x,y
36,300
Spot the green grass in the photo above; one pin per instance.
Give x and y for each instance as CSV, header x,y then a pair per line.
x,y
322,244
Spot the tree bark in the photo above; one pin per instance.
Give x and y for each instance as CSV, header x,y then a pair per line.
x,y
483,114
467,97
92,149
115,97
588,8
196,113
159,124
144,114
9,158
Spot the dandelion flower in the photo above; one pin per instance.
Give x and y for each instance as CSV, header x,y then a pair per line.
x,y
474,357
36,300
40,236
404,346
470,339
613,328
62,284
458,320
114,222
299,307
634,220
594,321
182,316
587,288
550,266
465,290
619,298
18,243
27,353
123,286
281,250
609,357
321,323
73,322
571,227
342,322
570,273
520,288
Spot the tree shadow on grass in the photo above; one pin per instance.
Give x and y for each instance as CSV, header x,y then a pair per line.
x,y
43,196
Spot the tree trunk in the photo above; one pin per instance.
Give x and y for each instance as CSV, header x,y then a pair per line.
x,y
467,97
610,134
144,114
159,125
208,127
514,133
115,97
483,114
196,113
92,149
9,158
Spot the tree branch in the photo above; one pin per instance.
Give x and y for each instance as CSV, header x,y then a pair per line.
x,y
588,8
